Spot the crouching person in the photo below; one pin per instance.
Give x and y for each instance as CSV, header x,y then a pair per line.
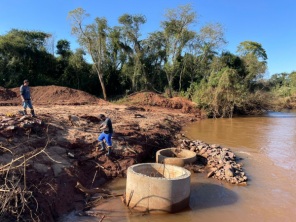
x,y
106,134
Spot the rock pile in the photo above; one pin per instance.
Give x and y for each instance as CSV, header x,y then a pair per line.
x,y
220,161
10,122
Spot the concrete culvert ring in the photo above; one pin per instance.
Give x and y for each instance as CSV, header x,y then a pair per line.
x,y
157,188
175,156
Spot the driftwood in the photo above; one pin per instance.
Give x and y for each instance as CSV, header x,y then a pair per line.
x,y
91,191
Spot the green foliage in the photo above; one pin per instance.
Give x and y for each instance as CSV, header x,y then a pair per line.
x,y
254,48
283,91
226,93
254,69
23,55
63,48
230,84
133,45
177,35
293,83
177,60
256,103
283,84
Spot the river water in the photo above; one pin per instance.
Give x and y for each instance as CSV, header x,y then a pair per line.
x,y
267,146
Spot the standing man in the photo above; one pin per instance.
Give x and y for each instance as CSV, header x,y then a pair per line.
x,y
106,134
26,98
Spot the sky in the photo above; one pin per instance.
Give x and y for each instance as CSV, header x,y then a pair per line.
x,y
271,23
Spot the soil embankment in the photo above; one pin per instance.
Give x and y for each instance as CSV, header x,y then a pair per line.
x,y
52,161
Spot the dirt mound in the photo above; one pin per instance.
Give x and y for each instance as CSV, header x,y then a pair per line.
x,y
155,99
58,95
49,95
6,94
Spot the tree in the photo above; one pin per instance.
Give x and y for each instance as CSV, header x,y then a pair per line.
x,y
201,53
116,55
131,30
292,78
254,59
255,48
93,38
64,53
209,40
117,81
23,55
154,58
76,73
63,48
177,35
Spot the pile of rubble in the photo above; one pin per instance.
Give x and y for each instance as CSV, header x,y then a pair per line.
x,y
221,163
9,123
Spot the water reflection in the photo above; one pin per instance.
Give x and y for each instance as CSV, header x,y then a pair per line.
x,y
286,114
207,195
280,143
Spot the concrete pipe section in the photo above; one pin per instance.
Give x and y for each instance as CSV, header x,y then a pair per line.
x,y
175,156
157,188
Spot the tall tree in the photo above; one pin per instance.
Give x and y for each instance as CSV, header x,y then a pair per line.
x,y
177,35
255,48
202,51
63,51
131,31
255,60
76,73
93,38
154,58
210,39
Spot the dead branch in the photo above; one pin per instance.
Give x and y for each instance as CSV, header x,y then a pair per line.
x,y
6,149
91,191
15,195
102,218
50,157
1,190
94,178
26,157
33,154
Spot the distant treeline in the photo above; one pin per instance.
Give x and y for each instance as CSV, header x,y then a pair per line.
x,y
176,60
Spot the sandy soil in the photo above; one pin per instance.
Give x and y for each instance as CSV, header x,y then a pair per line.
x,y
59,147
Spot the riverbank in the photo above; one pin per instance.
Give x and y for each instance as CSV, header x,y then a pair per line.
x,y
52,161
49,160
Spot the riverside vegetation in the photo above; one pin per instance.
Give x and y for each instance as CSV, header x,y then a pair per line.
x,y
176,60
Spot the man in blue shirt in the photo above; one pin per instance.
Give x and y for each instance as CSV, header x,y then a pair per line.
x,y
107,131
26,98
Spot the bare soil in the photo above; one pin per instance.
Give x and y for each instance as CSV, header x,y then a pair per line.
x,y
60,145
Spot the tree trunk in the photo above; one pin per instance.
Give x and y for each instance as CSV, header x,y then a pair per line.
x,y
170,93
103,86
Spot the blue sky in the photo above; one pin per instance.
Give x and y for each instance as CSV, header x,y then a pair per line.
x,y
269,22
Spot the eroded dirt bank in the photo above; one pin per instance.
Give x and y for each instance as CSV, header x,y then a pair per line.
x,y
49,165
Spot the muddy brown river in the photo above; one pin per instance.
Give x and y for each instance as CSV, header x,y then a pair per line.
x,y
267,145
